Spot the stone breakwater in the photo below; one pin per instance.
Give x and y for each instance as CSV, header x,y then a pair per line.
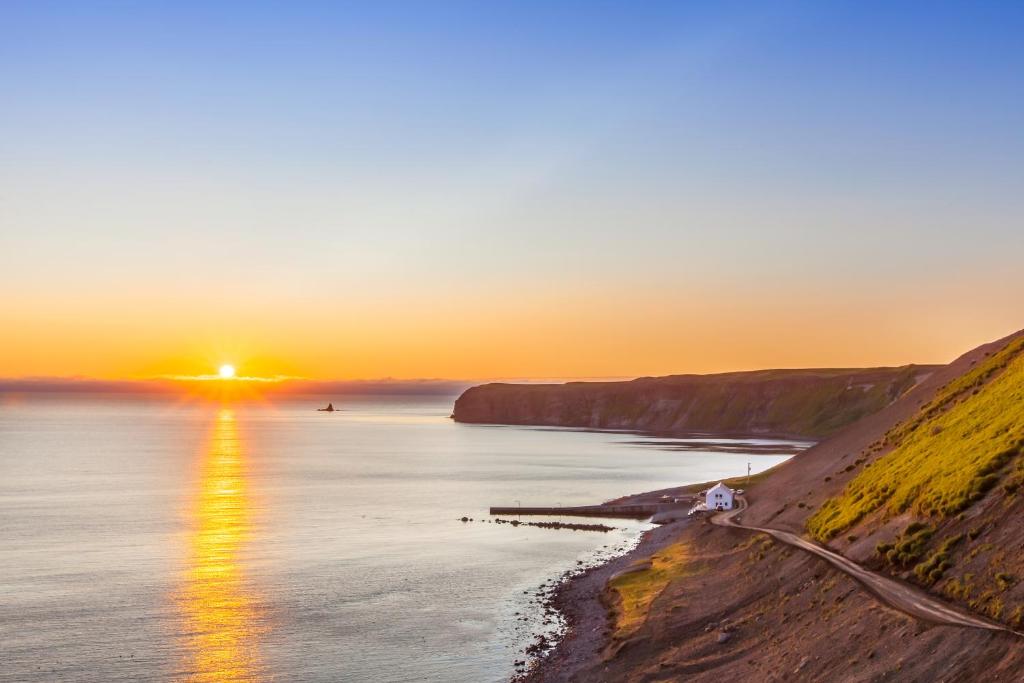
x,y
573,526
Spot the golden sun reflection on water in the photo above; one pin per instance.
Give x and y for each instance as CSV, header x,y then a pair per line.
x,y
222,616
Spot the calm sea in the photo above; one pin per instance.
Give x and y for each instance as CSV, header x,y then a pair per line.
x,y
145,539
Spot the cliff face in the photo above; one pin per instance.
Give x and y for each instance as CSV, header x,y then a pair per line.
x,y
809,403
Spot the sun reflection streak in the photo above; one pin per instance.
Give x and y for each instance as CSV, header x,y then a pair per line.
x,y
222,616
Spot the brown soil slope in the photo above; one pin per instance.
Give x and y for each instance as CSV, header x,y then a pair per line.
x,y
747,606
807,403
752,609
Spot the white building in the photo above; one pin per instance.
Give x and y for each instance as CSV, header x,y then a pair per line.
x,y
719,497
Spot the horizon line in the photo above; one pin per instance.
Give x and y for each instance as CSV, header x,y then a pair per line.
x,y
289,383
281,384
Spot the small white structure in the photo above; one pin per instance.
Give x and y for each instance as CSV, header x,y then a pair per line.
x,y
718,497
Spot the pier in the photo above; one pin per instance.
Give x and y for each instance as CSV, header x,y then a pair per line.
x,y
631,511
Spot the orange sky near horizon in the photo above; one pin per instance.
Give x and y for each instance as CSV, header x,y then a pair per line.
x,y
589,333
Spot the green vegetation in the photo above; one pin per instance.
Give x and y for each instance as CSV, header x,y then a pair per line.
x,y
932,569
1005,580
959,589
638,588
945,458
908,548
759,548
994,608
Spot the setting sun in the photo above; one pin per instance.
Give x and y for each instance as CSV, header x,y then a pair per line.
x,y
226,371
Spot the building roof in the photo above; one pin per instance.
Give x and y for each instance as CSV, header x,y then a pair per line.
x,y
719,487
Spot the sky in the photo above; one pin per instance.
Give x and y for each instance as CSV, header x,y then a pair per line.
x,y
506,190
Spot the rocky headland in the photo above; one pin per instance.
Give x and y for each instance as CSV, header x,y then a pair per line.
x,y
784,403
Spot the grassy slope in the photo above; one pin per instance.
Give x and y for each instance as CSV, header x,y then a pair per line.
x,y
637,588
945,458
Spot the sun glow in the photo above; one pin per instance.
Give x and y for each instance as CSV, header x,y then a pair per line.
x,y
219,606
226,371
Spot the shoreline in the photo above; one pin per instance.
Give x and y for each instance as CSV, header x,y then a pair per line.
x,y
576,595
577,598
737,435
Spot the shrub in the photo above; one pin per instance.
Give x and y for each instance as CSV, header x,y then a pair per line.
x,y
932,569
909,547
982,485
958,589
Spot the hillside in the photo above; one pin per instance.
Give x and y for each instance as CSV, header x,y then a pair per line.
x,y
940,503
805,403
927,490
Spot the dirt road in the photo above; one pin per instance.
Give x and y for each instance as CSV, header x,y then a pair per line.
x,y
901,596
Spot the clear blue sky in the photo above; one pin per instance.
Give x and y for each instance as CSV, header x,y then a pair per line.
x,y
671,168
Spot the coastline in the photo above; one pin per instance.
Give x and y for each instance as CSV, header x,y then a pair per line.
x,y
769,604
641,433
578,599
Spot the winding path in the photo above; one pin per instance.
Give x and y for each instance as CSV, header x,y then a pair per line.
x,y
901,596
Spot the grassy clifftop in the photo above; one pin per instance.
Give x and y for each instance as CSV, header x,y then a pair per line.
x,y
811,403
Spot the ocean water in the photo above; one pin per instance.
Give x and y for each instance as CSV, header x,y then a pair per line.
x,y
146,539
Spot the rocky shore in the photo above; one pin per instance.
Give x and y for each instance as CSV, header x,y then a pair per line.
x,y
577,598
571,526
